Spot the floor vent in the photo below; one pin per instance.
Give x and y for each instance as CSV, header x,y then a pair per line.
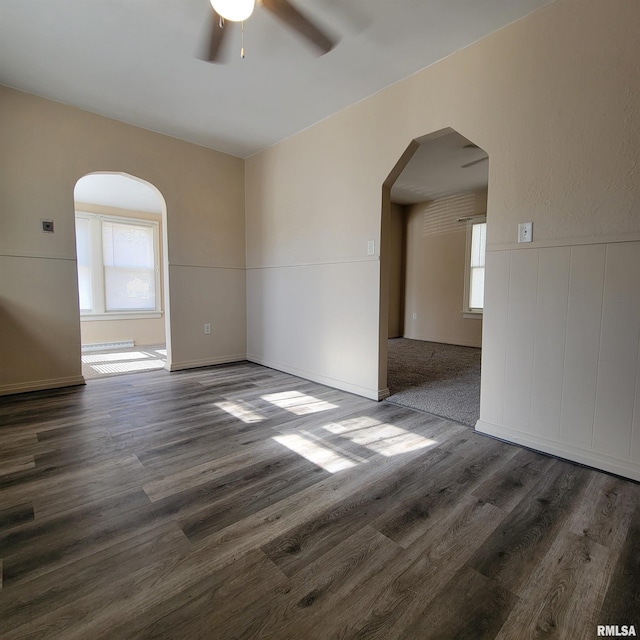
x,y
107,346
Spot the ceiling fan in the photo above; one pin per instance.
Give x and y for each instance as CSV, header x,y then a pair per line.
x,y
224,11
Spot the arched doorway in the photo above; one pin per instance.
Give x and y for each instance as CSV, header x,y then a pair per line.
x,y
121,245
432,277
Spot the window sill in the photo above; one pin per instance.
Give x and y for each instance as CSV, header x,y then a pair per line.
x,y
121,315
473,315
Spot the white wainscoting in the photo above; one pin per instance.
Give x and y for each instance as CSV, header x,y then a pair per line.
x,y
561,352
317,321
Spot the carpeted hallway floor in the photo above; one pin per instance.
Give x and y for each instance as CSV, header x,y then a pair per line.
x,y
441,379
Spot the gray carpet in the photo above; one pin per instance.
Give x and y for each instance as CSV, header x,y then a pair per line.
x,y
442,379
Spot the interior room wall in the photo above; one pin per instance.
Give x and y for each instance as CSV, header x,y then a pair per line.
x,y
143,331
435,271
397,224
552,99
45,147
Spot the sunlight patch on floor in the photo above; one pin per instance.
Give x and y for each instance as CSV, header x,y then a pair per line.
x,y
237,410
128,367
322,456
380,437
298,403
113,357
385,439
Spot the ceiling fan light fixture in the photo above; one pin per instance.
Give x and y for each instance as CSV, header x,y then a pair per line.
x,y
234,10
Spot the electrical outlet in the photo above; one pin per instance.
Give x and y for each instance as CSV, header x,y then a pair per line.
x,y
371,248
47,226
207,329
525,232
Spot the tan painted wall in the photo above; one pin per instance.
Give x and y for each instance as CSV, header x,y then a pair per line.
x,y
396,270
45,147
143,331
435,266
553,100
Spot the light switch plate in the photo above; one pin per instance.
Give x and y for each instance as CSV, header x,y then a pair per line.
x,y
525,232
371,248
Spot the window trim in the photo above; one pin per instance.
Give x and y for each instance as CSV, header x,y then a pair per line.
x,y
120,315
467,311
100,312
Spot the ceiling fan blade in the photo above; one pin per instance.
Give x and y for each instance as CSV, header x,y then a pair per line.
x,y
216,36
470,164
285,11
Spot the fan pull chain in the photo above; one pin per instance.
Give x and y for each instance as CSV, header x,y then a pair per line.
x,y
242,47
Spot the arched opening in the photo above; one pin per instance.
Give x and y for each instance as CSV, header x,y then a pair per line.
x,y
121,244
432,276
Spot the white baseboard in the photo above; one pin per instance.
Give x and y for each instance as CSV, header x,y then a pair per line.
x,y
205,362
601,461
342,385
41,385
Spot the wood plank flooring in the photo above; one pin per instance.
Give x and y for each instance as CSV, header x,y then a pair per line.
x,y
241,502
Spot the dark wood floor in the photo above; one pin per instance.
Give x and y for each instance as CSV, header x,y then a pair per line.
x,y
240,502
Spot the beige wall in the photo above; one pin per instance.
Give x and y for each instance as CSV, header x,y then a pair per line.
x,y
45,147
553,100
435,266
396,270
143,331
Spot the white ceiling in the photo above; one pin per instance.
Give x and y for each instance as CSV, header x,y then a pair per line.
x,y
436,170
135,60
116,190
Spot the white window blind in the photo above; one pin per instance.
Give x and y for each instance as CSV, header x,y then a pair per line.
x,y
476,275
83,248
129,267
117,265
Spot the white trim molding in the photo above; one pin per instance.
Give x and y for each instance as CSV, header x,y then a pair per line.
x,y
41,385
120,315
204,362
564,242
599,461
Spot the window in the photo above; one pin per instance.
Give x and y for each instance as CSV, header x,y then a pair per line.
x,y
474,273
118,274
